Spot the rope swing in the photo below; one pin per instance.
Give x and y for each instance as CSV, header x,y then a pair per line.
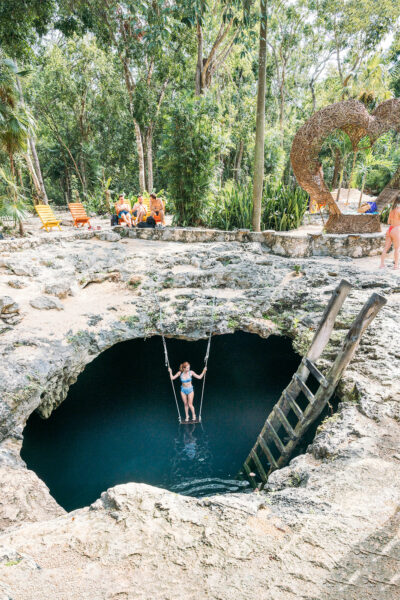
x,y
167,364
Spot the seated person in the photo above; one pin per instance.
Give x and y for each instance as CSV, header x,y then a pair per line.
x,y
157,207
123,210
368,208
139,210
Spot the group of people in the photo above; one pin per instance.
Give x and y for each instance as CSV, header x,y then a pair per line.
x,y
138,213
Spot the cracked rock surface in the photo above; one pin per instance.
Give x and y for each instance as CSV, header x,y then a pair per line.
x,y
326,527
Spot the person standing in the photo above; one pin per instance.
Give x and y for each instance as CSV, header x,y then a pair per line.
x,y
393,234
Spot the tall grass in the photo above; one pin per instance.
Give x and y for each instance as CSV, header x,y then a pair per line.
x,y
283,207
232,208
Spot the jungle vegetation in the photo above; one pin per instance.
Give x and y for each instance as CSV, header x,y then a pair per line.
x,y
198,98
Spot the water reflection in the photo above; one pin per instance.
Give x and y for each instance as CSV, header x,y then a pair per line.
x,y
192,465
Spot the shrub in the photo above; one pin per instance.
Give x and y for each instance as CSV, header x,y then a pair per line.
x,y
232,208
284,207
188,159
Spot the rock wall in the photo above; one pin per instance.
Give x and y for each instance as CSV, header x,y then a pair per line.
x,y
313,532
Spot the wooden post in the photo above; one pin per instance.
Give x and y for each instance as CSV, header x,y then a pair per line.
x,y
323,333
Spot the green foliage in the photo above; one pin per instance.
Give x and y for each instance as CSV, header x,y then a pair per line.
x,y
188,156
231,208
385,214
13,203
284,207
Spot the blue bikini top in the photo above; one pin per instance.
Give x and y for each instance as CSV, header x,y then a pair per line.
x,y
186,380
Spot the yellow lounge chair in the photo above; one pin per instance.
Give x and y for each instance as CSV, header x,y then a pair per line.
x,y
47,217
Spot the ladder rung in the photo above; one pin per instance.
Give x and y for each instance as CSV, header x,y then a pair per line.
x,y
275,437
285,423
259,466
306,391
315,371
294,406
248,471
267,453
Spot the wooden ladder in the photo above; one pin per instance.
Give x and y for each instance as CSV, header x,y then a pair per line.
x,y
287,422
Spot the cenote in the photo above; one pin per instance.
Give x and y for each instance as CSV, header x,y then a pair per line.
x,y
119,422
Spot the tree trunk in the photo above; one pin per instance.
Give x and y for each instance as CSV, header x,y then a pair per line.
x,y
313,97
33,175
260,120
364,179
282,106
83,173
139,145
36,163
336,169
199,65
351,175
238,161
149,152
340,186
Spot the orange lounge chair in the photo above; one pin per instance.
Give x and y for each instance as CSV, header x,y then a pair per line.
x,y
78,213
157,218
47,217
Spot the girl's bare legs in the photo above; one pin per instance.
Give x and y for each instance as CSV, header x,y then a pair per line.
x,y
396,243
190,401
388,243
185,403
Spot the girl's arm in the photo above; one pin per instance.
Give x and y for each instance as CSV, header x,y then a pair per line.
x,y
199,376
173,376
390,219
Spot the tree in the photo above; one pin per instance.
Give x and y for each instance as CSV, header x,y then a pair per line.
x,y
145,37
190,149
258,179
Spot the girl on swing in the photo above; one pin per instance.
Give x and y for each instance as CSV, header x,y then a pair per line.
x,y
187,391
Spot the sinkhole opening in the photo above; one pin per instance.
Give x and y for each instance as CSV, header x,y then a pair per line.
x,y
119,422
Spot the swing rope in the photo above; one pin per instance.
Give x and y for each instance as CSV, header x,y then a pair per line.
x,y
167,363
205,358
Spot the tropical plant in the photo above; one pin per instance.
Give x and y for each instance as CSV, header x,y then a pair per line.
x,y
284,207
188,158
370,163
14,118
13,203
232,208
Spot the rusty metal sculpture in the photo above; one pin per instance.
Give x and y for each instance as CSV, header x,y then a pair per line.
x,y
352,117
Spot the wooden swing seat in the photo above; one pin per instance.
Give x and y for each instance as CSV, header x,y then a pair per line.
x,y
190,422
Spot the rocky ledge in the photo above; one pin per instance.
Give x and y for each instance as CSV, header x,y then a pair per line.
x,y
326,526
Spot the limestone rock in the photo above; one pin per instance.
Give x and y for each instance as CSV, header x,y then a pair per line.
x,y
61,289
108,236
17,284
46,303
9,311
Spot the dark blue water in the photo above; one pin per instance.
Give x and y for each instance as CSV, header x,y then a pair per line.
x,y
119,421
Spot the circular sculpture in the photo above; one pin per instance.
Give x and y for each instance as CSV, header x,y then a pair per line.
x,y
352,117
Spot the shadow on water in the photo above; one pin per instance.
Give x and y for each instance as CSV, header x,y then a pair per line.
x,y
119,421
